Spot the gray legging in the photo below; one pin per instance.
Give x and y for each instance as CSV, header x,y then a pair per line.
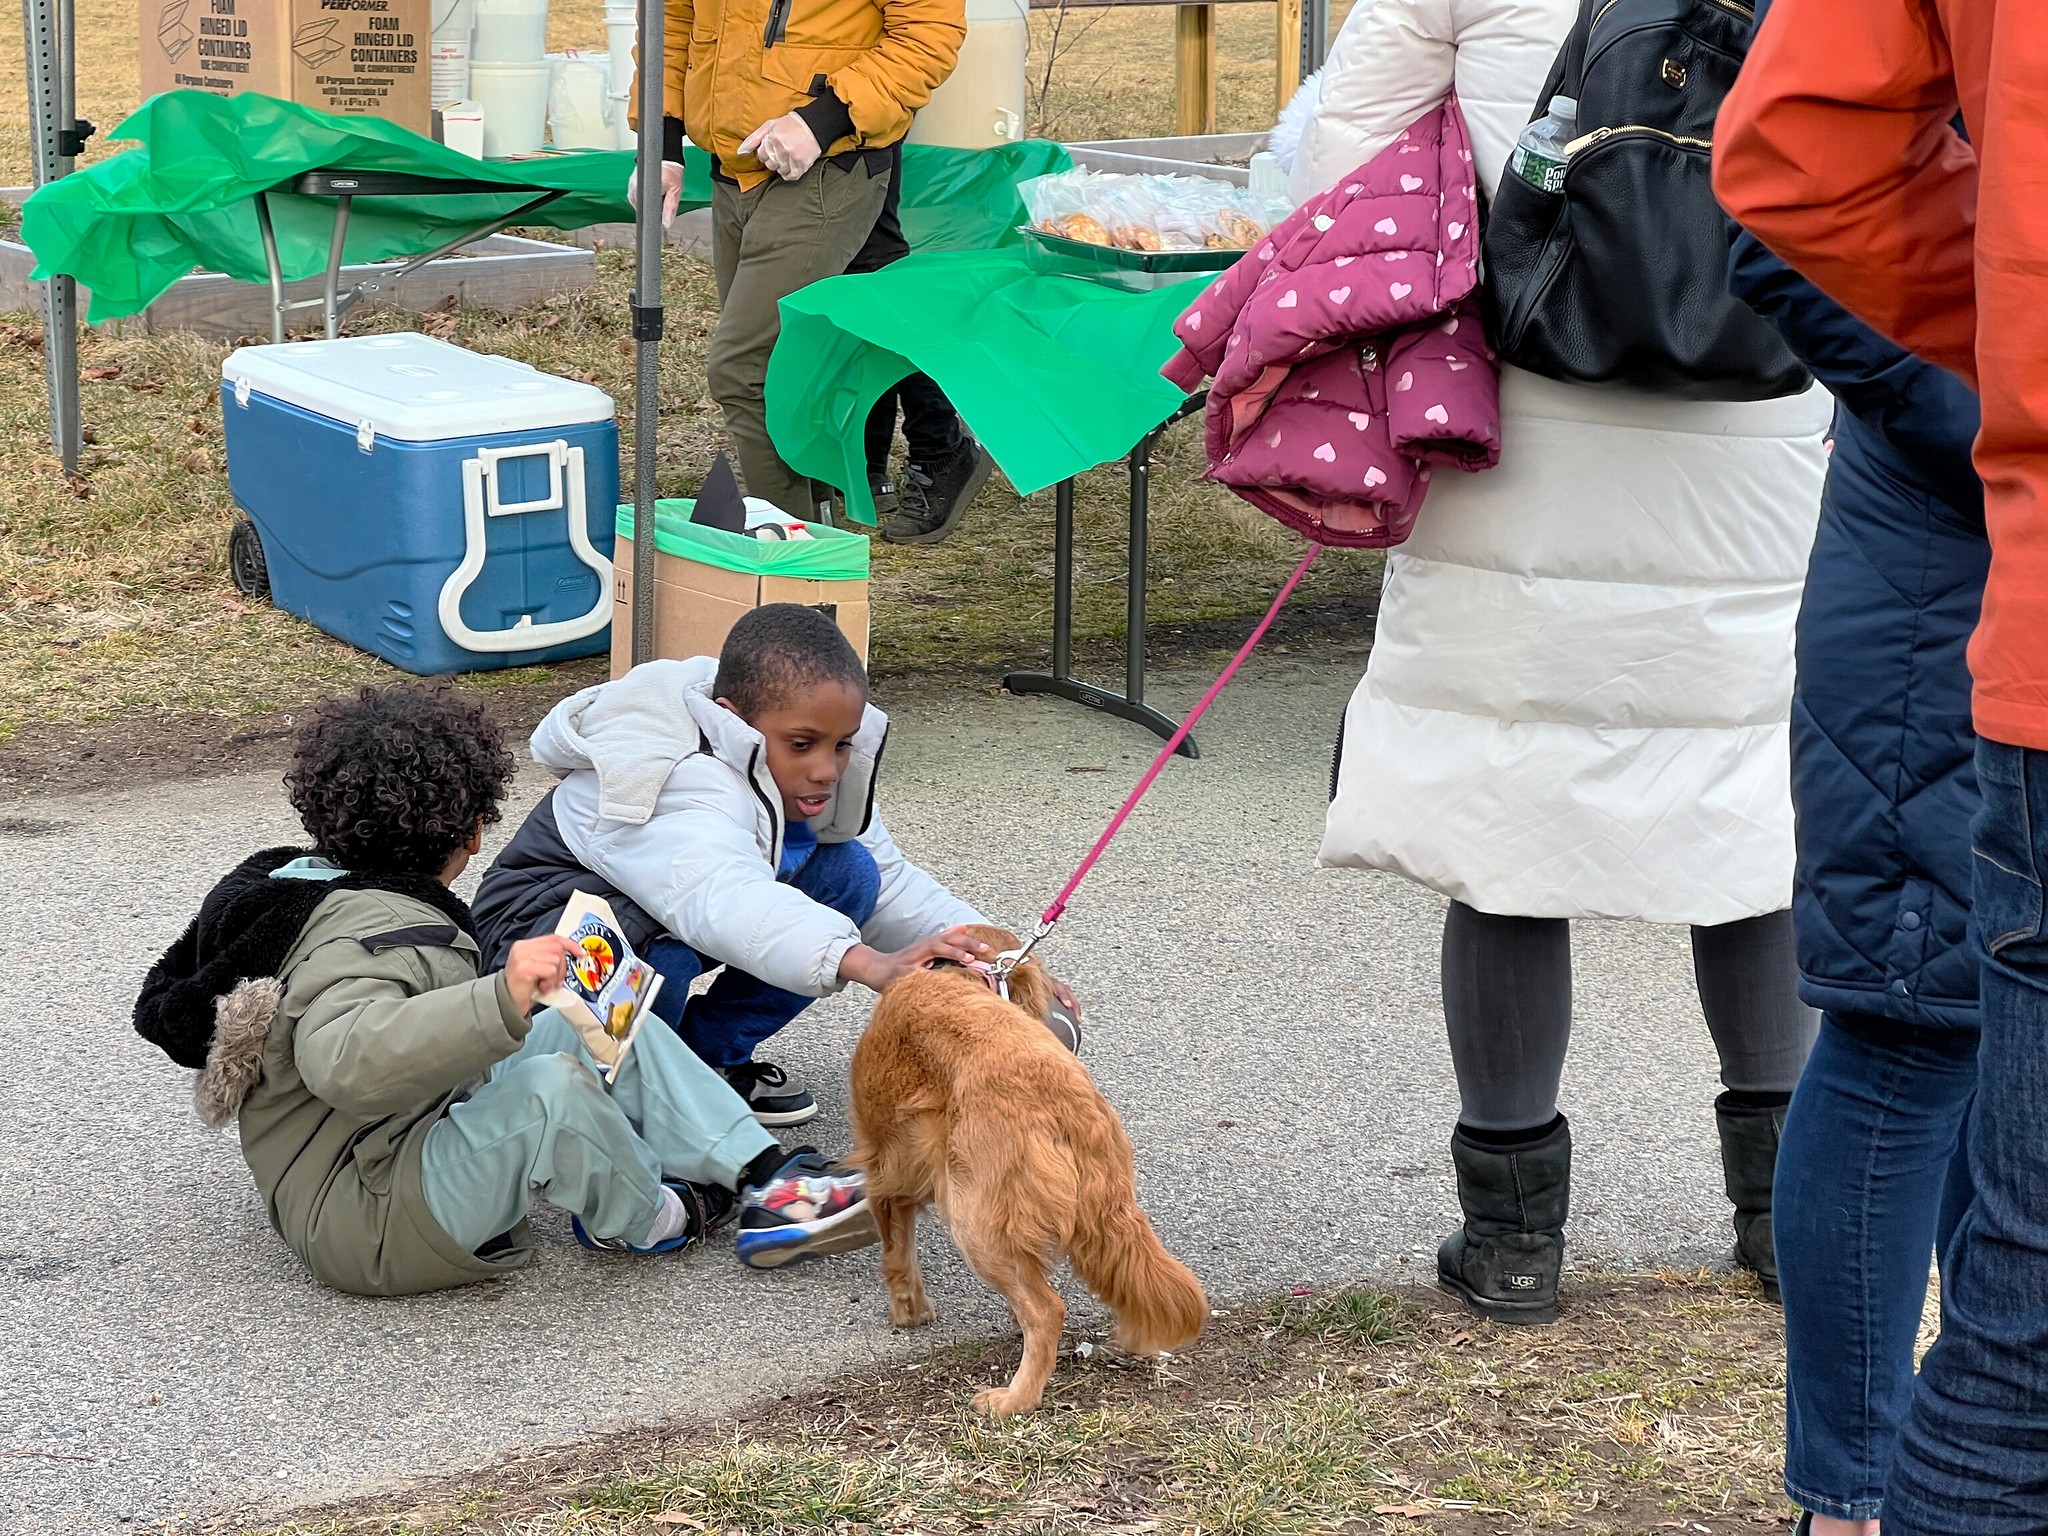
x,y
1508,1001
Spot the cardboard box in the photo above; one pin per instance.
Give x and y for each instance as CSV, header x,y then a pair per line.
x,y
696,605
222,46
364,58
356,58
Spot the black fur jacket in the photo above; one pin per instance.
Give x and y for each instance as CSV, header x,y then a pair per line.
x,y
245,928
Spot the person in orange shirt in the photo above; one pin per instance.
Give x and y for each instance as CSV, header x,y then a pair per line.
x,y
1836,149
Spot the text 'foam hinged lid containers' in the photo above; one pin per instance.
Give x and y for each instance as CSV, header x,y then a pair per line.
x,y
444,509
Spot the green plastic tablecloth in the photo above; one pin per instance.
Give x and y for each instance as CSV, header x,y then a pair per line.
x,y
131,225
1054,374
829,554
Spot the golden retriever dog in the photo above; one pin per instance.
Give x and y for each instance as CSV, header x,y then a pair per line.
x,y
968,1102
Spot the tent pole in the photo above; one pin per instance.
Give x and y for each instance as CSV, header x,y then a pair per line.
x,y
1315,35
646,305
55,134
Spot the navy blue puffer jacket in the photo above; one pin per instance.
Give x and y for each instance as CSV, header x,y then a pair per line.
x,y
1883,783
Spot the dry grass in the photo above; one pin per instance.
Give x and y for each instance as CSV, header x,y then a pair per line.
x,y
1655,1404
116,598
115,589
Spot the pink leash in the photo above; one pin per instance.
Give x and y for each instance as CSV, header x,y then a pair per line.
x,y
1009,960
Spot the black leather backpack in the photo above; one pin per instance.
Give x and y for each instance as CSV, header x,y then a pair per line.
x,y
1622,277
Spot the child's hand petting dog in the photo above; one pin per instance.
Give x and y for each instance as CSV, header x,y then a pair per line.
x,y
535,966
875,968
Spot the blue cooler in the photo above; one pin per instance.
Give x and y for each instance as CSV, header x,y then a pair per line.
x,y
447,511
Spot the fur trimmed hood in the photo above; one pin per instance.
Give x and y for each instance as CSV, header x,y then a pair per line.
x,y
234,1062
243,931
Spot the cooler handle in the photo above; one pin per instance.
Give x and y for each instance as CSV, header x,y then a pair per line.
x,y
557,454
482,472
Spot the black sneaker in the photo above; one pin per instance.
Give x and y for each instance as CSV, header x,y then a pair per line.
x,y
810,1207
934,497
883,493
772,1094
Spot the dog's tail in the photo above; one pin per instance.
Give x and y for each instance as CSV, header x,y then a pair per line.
x,y
1159,1304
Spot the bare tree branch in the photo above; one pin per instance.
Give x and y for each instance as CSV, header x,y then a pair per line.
x,y
1055,49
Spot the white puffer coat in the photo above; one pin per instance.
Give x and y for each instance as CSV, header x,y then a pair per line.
x,y
666,794
1578,699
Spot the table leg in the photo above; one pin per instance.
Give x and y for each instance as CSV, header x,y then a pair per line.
x,y
331,309
1063,580
1134,581
270,261
1060,681
372,286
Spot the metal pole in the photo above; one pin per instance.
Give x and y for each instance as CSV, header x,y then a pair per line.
x,y
646,306
1063,579
1134,600
331,297
275,267
55,139
1315,35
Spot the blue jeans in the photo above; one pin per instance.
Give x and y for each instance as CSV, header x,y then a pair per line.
x,y
1868,1185
1973,1451
737,1012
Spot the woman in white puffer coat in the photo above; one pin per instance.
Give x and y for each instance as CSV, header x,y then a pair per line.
x,y
1578,698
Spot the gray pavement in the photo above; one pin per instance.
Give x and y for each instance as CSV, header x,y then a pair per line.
x,y
1270,1033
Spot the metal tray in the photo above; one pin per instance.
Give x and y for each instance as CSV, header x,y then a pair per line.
x,y
1138,271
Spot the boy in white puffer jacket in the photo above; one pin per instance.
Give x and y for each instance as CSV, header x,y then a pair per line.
x,y
725,808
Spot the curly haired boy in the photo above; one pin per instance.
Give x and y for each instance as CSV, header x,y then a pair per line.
x,y
400,1111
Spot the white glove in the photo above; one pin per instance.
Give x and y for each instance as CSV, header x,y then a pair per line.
x,y
671,190
785,145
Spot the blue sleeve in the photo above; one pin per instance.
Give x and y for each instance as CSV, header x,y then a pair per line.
x,y
1926,413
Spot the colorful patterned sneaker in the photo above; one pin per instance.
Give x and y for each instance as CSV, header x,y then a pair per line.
x,y
772,1094
811,1206
709,1207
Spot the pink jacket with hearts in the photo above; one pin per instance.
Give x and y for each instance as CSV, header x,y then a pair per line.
x,y
1346,349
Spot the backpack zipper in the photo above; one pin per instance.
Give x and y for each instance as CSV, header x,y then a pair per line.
x,y
1602,135
1513,325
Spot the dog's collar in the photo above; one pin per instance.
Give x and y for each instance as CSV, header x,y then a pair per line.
x,y
998,983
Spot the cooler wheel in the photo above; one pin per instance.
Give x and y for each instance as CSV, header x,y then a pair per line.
x,y
247,568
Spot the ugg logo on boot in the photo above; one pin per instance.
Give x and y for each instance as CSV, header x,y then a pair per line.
x,y
1521,1282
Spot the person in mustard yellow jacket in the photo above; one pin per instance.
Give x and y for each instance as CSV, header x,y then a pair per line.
x,y
799,104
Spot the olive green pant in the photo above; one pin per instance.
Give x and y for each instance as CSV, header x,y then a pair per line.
x,y
765,244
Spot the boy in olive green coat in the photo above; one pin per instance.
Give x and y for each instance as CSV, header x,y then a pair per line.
x,y
399,1111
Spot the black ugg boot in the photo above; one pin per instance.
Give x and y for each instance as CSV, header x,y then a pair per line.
x,y
1506,1259
1750,1125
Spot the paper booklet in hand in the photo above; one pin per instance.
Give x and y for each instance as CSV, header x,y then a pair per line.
x,y
609,989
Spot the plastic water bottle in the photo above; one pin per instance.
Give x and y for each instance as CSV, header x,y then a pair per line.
x,y
1539,155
